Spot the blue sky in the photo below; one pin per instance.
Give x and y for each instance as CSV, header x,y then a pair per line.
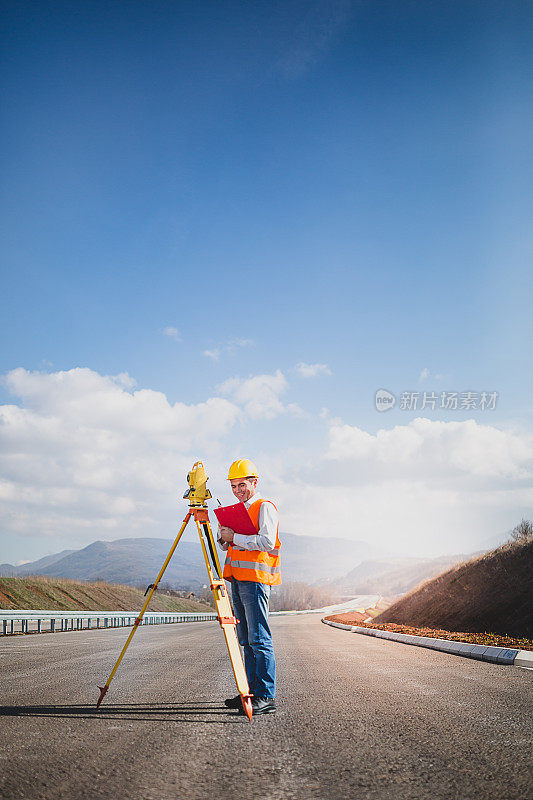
x,y
337,184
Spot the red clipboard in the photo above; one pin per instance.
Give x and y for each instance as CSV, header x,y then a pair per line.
x,y
237,518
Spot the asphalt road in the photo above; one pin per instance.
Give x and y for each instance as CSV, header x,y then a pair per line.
x,y
358,718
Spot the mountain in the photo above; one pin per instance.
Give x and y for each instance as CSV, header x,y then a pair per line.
x,y
490,593
33,567
315,559
131,561
393,576
138,561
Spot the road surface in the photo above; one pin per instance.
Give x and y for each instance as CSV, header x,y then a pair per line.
x,y
358,718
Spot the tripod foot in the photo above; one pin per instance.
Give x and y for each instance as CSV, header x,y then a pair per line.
x,y
247,705
103,690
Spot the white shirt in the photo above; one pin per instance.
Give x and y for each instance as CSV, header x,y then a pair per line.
x,y
265,539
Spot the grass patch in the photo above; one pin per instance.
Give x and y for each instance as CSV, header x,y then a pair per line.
x,y
61,594
488,639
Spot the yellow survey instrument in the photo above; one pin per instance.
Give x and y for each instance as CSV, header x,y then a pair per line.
x,y
197,494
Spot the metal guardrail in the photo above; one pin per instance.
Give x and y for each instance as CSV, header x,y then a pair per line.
x,y
42,621
16,622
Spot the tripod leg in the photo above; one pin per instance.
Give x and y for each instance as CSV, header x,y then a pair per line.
x,y
225,612
103,689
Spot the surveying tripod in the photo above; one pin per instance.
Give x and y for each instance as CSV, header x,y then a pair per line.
x,y
197,494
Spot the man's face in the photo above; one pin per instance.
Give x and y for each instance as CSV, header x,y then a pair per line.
x,y
243,488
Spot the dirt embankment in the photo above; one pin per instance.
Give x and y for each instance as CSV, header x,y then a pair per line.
x,y
62,594
483,601
490,593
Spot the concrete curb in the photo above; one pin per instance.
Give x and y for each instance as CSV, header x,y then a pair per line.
x,y
481,652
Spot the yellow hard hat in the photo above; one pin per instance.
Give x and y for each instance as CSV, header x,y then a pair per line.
x,y
242,468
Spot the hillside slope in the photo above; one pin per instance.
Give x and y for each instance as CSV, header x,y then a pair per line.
x,y
490,593
58,594
394,576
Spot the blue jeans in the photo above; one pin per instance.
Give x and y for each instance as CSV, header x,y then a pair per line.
x,y
250,602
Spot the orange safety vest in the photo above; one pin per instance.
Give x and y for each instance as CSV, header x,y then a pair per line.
x,y
254,565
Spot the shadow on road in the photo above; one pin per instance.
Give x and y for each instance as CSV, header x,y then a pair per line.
x,y
132,712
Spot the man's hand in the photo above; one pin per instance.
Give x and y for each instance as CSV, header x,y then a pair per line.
x,y
226,534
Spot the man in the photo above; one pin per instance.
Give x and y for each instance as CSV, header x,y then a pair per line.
x,y
253,567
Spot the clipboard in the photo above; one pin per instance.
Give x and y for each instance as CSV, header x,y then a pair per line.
x,y
237,518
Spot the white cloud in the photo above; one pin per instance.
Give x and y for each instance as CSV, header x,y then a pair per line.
x,y
425,374
236,343
85,453
172,333
259,395
85,456
427,487
311,370
229,347
424,488
431,447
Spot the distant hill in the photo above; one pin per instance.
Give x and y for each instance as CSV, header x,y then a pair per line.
x,y
393,576
137,561
490,593
317,559
126,561
33,567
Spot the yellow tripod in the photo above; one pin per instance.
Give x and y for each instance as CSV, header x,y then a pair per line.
x,y
197,494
